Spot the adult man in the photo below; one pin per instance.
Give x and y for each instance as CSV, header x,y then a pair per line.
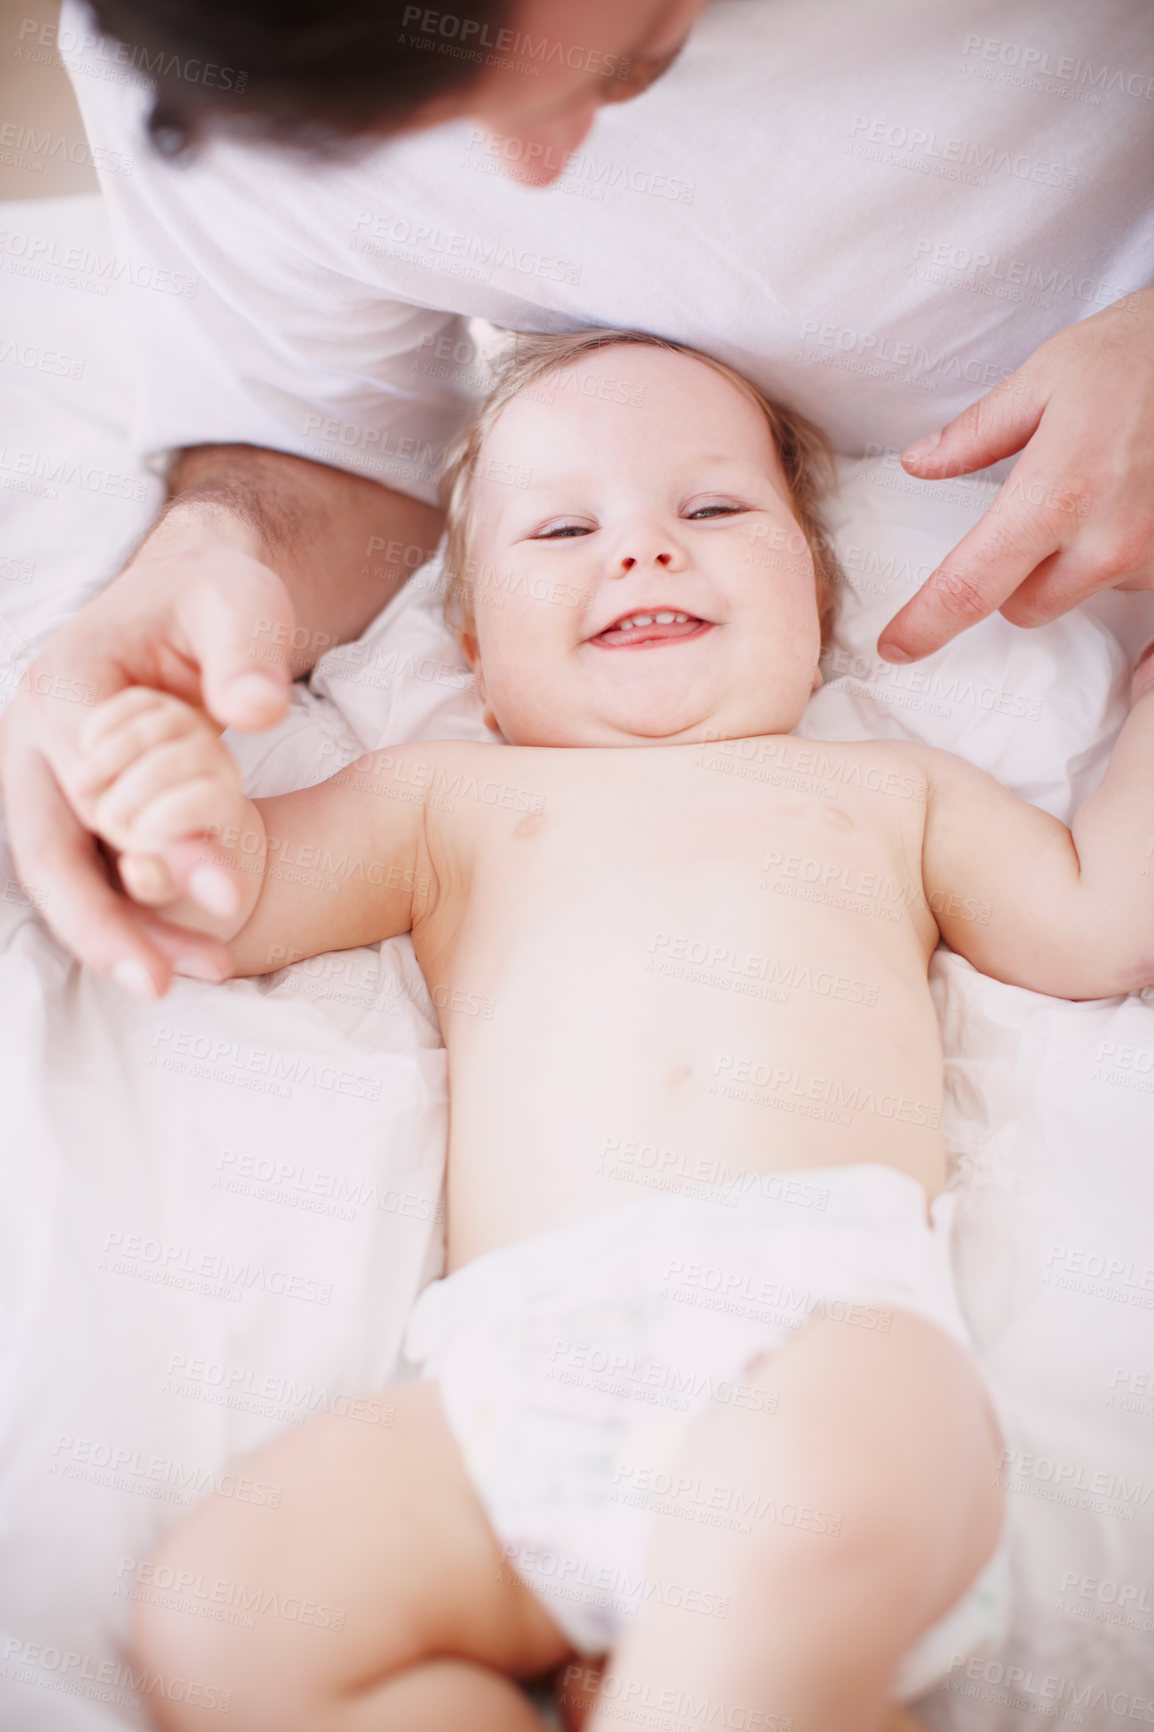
x,y
877,216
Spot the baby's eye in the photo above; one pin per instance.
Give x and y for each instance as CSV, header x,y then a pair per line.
x,y
721,509
559,531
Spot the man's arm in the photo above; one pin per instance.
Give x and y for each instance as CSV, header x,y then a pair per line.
x,y
206,609
1068,912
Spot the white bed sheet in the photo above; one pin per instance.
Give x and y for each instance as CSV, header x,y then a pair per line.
x,y
219,1208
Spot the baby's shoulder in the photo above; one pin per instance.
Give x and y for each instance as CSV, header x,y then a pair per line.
x,y
895,769
465,778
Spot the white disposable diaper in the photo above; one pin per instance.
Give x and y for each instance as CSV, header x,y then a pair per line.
x,y
571,1364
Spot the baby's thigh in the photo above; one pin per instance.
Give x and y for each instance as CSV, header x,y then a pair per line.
x,y
848,1521
370,1552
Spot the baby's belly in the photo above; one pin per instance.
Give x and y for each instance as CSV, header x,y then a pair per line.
x,y
694,1084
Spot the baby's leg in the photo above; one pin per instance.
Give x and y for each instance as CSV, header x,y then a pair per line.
x,y
889,1431
577,1699
378,1597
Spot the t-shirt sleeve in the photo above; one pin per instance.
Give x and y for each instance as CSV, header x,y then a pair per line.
x,y
243,332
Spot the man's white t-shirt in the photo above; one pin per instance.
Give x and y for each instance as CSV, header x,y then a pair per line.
x,y
875,211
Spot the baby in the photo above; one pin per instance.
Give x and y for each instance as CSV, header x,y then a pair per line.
x,y
730,1435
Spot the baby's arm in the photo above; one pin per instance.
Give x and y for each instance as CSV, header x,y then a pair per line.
x,y
323,869
1068,912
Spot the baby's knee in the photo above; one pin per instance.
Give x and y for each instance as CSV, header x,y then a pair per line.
x,y
190,1644
185,1663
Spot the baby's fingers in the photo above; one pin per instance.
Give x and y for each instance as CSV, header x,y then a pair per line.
x,y
196,867
136,809
124,728
188,809
146,879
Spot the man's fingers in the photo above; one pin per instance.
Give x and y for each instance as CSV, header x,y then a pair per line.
x,y
1053,587
189,953
994,427
60,864
1029,556
973,581
241,637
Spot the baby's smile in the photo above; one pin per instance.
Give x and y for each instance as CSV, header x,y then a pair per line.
x,y
645,628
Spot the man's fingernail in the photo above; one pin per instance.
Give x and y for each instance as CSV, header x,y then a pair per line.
x,y
213,889
199,968
921,448
134,978
256,689
890,652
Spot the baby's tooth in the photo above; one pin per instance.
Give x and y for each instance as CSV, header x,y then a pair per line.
x,y
664,618
681,619
642,619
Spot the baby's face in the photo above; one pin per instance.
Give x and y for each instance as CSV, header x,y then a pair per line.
x,y
650,583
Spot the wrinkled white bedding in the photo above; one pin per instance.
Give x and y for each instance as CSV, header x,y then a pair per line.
x,y
219,1208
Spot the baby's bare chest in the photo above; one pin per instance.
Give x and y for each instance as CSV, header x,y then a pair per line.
x,y
703,859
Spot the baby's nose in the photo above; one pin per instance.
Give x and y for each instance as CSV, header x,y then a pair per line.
x,y
629,560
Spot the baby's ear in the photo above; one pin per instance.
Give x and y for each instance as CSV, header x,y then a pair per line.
x,y
471,651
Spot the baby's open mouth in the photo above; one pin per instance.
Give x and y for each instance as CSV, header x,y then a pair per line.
x,y
633,630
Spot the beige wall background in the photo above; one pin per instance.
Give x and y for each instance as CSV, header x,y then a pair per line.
x,y
43,152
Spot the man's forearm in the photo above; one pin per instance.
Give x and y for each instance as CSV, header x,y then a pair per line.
x,y
342,544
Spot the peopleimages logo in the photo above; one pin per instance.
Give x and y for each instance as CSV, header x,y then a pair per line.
x,y
925,148
78,266
467,37
23,148
1041,63
1048,1693
92,54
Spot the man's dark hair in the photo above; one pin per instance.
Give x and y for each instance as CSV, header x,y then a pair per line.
x,y
318,74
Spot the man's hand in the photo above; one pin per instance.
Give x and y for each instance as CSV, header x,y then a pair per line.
x,y
1077,512
183,616
258,566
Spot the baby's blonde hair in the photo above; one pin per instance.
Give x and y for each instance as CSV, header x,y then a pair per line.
x,y
804,455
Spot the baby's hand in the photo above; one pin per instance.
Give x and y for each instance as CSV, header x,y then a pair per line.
x,y
163,786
